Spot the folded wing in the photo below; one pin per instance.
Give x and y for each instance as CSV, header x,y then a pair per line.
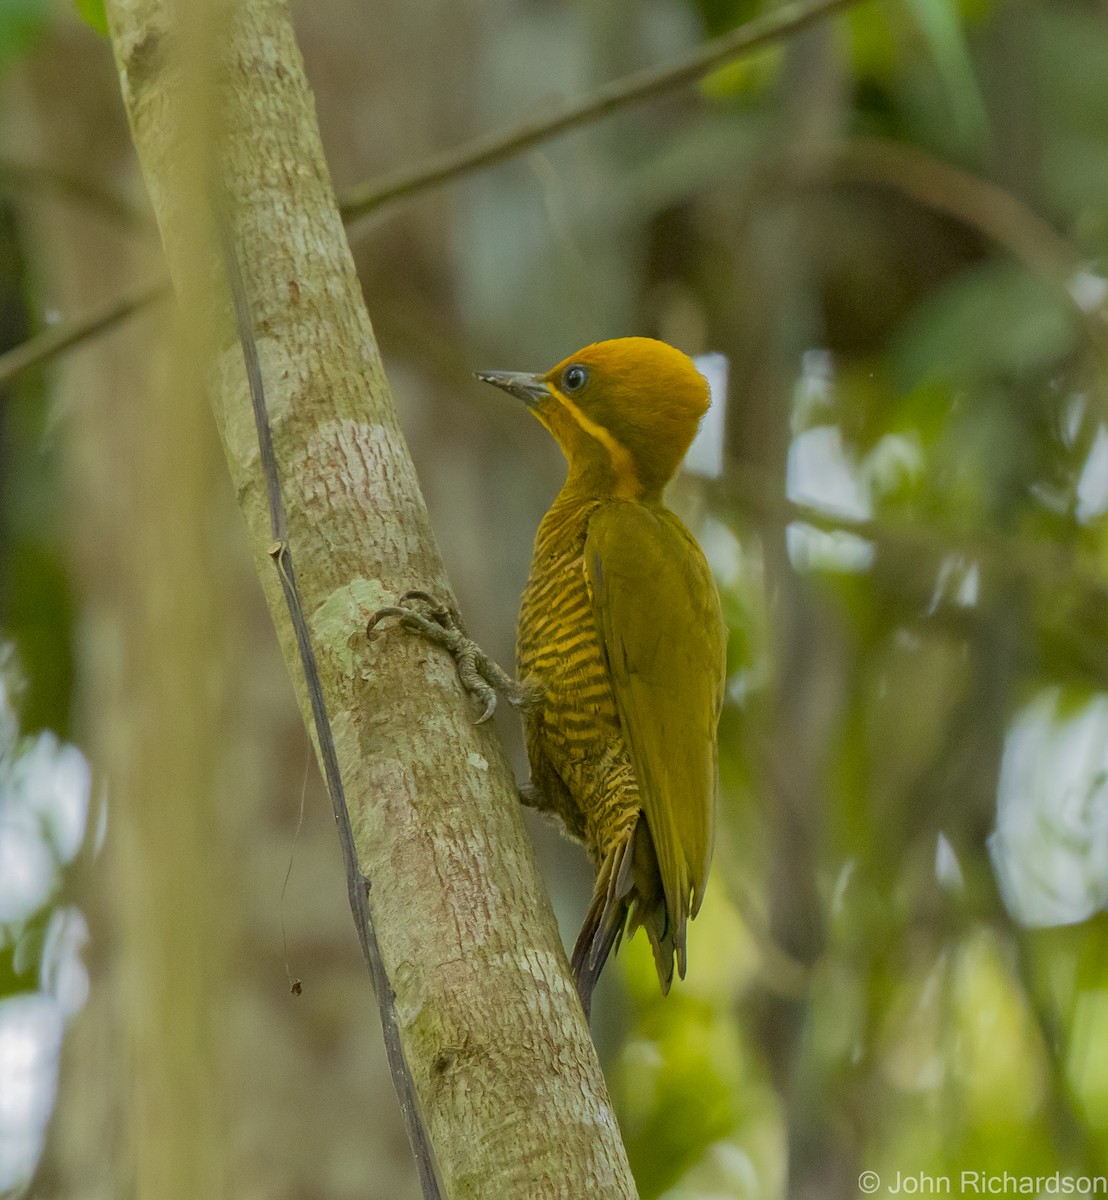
x,y
658,613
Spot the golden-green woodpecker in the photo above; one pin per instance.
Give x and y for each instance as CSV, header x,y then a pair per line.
x,y
622,644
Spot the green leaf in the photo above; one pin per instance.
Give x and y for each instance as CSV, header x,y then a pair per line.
x,y
995,321
20,23
746,76
93,12
941,25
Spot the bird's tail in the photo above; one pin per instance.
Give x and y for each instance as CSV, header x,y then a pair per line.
x,y
628,892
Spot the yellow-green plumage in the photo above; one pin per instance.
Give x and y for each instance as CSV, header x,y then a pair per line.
x,y
574,743
621,639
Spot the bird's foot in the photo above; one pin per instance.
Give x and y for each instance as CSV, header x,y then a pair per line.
x,y
422,613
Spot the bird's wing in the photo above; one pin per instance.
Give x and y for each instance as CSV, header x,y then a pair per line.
x,y
658,613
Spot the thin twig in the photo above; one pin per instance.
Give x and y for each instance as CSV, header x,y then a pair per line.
x,y
357,885
55,339
969,199
37,176
295,986
611,97
483,152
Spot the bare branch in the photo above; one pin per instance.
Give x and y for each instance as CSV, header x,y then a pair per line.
x,y
56,339
995,213
973,201
36,176
622,93
473,156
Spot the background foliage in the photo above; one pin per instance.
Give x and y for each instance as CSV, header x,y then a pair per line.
x,y
895,228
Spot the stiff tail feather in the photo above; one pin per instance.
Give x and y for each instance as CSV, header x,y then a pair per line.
x,y
628,892
603,925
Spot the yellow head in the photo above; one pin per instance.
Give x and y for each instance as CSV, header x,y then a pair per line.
x,y
624,412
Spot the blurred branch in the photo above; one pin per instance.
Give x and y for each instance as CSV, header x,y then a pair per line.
x,y
1040,560
747,485
994,212
36,177
632,89
452,164
56,339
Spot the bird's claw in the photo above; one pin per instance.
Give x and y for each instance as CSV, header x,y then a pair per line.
x,y
442,624
441,615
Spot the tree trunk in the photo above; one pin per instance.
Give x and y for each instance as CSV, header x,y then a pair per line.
x,y
140,1110
506,1075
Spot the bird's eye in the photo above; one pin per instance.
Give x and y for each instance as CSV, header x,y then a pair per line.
x,y
574,378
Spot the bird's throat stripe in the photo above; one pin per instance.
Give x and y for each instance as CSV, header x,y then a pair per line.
x,y
622,463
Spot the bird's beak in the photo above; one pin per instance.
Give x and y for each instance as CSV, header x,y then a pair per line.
x,y
531,389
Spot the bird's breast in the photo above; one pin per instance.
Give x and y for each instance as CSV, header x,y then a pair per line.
x,y
559,644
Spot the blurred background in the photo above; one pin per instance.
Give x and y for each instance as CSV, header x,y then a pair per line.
x,y
894,227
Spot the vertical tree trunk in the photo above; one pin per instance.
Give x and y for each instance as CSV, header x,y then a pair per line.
x,y
273,1048
501,1057
140,1110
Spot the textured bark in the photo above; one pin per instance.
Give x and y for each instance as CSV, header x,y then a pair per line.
x,y
504,1067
